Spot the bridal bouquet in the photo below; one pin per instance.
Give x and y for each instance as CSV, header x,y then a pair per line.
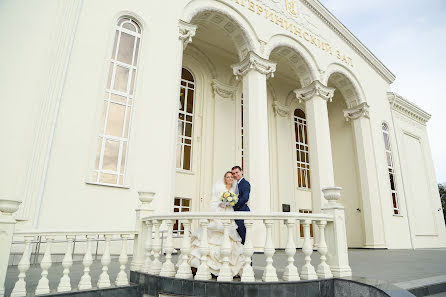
x,y
228,199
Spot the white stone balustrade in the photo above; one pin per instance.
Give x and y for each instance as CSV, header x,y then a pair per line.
x,y
148,247
68,238
327,224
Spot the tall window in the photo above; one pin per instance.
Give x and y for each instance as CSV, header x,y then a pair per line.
x,y
118,102
303,160
391,170
242,132
185,120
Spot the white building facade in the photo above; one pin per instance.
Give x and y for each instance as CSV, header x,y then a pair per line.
x,y
103,99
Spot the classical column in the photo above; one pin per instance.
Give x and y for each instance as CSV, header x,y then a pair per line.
x,y
316,96
371,202
185,33
255,70
224,127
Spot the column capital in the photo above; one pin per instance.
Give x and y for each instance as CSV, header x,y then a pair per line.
x,y
357,112
316,88
185,32
281,110
254,62
223,90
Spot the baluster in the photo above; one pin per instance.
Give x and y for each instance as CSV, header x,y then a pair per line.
x,y
67,262
148,248
248,251
184,271
269,274
203,272
121,279
168,268
104,278
290,273
323,270
225,251
308,269
43,285
20,285
85,282
156,263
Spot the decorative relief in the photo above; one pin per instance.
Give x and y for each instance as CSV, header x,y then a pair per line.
x,y
186,32
356,112
223,90
314,89
253,61
407,108
281,110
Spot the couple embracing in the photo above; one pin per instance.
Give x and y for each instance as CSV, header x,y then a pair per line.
x,y
236,187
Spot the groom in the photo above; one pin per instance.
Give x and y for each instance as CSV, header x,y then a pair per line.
x,y
244,188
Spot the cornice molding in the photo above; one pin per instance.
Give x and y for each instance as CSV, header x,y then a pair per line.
x,y
185,32
357,112
407,108
253,61
223,90
281,110
328,18
316,88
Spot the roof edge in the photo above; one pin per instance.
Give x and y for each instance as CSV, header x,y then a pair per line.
x,y
351,39
407,108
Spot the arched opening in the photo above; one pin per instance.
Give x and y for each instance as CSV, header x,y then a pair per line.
x,y
215,136
345,165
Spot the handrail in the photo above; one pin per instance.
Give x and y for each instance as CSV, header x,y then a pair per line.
x,y
239,215
50,232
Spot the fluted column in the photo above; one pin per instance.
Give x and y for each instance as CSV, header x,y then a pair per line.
x,y
255,70
371,206
316,96
186,32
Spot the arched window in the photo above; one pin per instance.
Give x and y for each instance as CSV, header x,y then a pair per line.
x,y
303,160
391,170
118,101
185,121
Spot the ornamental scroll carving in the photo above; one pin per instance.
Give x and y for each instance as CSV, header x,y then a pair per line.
x,y
223,90
253,61
357,112
186,32
316,88
280,109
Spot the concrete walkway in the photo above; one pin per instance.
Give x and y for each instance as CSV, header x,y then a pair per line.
x,y
404,268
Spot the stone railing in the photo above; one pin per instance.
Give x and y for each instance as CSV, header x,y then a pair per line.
x,y
332,242
149,247
67,238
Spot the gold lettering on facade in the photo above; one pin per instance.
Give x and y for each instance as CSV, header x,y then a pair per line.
x,y
291,7
259,9
251,5
289,26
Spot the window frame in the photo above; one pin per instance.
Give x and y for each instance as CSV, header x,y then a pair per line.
x,y
301,166
127,102
192,122
390,166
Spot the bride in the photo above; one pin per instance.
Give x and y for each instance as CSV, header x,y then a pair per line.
x,y
216,232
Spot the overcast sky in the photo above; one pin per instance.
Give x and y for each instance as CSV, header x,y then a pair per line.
x,y
409,37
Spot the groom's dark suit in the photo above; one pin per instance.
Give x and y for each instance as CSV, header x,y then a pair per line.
x,y
244,188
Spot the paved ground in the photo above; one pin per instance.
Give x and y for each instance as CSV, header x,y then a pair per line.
x,y
404,268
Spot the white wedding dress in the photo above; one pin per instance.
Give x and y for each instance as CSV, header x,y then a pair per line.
x,y
215,237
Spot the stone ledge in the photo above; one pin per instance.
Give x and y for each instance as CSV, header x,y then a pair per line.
x,y
153,285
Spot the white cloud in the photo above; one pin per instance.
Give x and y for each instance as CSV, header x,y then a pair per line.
x,y
410,39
